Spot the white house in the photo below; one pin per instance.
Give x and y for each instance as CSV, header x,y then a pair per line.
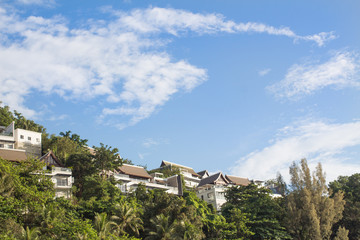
x,y
26,140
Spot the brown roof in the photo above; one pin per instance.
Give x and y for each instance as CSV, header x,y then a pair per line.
x,y
51,160
212,179
189,169
13,155
134,171
238,180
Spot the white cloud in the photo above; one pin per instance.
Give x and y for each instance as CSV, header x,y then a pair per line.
x,y
340,71
264,72
120,61
315,140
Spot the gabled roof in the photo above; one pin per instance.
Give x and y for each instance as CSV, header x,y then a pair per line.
x,y
13,155
189,169
203,174
132,170
51,160
238,180
213,179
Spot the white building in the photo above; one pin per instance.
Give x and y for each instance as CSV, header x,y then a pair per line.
x,y
60,176
212,190
132,176
191,178
29,141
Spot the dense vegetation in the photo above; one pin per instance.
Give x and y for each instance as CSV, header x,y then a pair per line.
x,y
308,208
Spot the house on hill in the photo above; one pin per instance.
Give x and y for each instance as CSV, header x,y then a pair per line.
x,y
212,190
20,139
132,176
60,176
191,178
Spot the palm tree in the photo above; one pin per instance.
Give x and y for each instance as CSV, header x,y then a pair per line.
x,y
163,229
127,218
30,234
102,225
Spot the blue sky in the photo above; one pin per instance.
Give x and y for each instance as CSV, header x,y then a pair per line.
x,y
243,87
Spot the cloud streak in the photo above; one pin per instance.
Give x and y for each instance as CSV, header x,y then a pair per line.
x,y
315,140
120,61
341,70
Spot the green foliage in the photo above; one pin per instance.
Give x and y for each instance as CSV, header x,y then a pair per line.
x,y
64,146
350,185
6,116
83,166
106,159
255,214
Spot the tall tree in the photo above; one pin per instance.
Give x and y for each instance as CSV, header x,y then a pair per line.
x,y
311,213
350,185
82,165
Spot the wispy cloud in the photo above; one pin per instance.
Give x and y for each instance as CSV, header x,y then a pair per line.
x,y
121,61
317,141
59,117
264,72
175,21
37,2
150,142
341,70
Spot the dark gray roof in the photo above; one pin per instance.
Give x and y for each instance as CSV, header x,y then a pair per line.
x,y
212,179
202,173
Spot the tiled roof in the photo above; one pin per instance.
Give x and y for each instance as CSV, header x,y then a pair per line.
x,y
134,171
212,179
189,169
238,180
13,155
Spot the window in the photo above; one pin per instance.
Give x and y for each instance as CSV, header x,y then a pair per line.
x,y
37,139
29,138
10,146
21,136
61,182
1,145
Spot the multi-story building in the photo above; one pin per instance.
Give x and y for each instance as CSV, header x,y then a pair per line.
x,y
132,176
191,178
212,190
29,141
60,176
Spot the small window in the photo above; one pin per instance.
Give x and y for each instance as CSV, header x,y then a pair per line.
x,y
29,138
21,136
10,146
1,145
38,140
